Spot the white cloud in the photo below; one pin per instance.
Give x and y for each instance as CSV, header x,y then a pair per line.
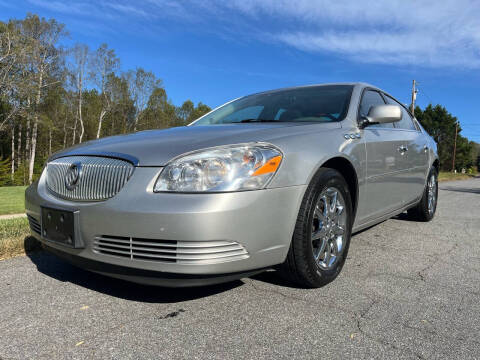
x,y
436,33
429,33
128,9
384,47
58,6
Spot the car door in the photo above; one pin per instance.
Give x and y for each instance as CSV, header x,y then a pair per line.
x,y
386,164
416,146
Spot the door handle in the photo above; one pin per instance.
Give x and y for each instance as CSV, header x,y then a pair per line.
x,y
402,149
425,148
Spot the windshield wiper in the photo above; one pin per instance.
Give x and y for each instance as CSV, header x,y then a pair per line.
x,y
257,120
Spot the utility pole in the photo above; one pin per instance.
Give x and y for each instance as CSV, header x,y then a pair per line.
x,y
455,147
414,97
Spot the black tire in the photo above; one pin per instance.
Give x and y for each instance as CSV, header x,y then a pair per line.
x,y
421,211
300,265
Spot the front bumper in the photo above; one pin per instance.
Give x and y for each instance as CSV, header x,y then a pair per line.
x,y
261,222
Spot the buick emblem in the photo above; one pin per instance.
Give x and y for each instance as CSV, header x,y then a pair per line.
x,y
72,176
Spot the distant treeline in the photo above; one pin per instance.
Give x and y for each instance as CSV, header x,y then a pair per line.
x,y
52,97
442,126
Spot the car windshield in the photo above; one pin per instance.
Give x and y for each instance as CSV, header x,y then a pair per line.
x,y
327,103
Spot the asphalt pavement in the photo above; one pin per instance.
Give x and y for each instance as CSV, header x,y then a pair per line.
x,y
408,290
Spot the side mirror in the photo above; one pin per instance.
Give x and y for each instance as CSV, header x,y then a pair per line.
x,y
382,114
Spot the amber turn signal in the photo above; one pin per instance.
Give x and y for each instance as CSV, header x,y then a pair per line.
x,y
269,167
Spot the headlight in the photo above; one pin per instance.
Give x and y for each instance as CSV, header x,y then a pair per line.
x,y
229,168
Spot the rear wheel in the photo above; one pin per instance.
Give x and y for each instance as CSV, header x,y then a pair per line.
x,y
322,233
426,208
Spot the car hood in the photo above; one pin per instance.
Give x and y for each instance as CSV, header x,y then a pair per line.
x,y
158,147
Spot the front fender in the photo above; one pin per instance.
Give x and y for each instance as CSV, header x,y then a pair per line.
x,y
305,154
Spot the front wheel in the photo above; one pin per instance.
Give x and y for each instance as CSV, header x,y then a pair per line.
x,y
426,208
322,233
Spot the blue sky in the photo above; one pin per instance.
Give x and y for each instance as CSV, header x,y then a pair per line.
x,y
213,51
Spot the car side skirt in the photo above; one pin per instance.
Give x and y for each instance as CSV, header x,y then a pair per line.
x,y
370,223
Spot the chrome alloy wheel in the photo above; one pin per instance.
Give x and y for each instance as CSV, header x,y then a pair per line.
x,y
432,193
328,228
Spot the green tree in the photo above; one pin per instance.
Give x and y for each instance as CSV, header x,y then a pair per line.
x,y
92,107
185,111
188,112
141,84
103,63
441,125
45,107
476,154
123,111
200,110
77,74
42,61
160,112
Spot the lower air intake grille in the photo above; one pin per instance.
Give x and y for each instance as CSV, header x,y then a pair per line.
x,y
34,224
170,251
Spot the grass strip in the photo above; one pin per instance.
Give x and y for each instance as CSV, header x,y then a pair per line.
x,y
15,238
12,200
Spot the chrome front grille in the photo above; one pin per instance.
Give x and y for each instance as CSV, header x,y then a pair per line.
x,y
34,224
170,251
97,178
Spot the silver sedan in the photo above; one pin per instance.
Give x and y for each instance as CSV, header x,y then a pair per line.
x,y
275,179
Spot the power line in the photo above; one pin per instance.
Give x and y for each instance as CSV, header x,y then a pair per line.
x,y
428,97
424,92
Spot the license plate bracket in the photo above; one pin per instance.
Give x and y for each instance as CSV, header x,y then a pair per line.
x,y
59,226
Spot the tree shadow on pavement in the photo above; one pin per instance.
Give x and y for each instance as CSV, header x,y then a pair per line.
x,y
61,270
463,190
